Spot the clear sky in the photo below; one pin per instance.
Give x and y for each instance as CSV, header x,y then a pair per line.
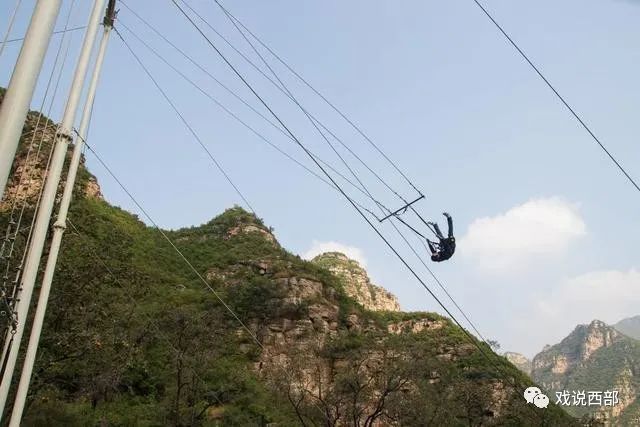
x,y
547,227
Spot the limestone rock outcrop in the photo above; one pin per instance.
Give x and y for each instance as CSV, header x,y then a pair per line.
x,y
29,166
357,283
519,360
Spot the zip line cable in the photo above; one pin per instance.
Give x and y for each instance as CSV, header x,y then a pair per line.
x,y
275,84
473,341
259,135
242,122
327,101
54,33
226,306
158,55
558,95
314,121
279,85
384,239
396,216
12,21
234,94
184,121
293,98
277,127
163,234
247,104
282,87
336,187
313,173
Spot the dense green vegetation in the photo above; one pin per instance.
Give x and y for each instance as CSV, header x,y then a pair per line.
x,y
133,337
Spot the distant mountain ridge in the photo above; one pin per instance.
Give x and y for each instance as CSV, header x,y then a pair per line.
x,y
629,326
595,357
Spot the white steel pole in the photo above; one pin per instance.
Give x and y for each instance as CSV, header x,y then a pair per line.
x,y
59,228
23,82
38,238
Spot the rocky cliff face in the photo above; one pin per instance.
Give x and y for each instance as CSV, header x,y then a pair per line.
x,y
556,361
28,170
598,358
520,361
357,283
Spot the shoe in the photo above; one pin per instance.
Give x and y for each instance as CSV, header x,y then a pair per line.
x,y
446,214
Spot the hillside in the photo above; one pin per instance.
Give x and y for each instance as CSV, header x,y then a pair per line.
x,y
134,337
630,327
594,357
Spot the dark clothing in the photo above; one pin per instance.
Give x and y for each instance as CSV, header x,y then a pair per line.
x,y
445,249
450,231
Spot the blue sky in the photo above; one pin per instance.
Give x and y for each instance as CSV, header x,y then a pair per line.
x,y
439,89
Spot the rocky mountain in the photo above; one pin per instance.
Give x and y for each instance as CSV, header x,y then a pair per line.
x,y
246,334
519,361
630,327
596,358
29,169
356,282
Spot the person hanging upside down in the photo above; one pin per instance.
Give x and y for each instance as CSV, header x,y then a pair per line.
x,y
444,249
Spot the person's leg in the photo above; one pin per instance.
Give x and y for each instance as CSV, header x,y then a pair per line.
x,y
450,224
432,247
437,230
